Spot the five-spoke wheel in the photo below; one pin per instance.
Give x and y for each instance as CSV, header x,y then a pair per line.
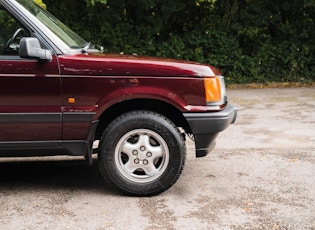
x,y
141,155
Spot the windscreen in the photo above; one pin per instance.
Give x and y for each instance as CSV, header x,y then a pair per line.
x,y
69,37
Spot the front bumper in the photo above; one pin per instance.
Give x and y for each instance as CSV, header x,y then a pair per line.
x,y
206,127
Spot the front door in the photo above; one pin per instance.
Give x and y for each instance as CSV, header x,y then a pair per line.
x,y
30,91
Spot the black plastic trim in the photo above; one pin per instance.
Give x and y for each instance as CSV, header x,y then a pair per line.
x,y
30,117
89,141
78,116
42,148
14,58
46,117
206,127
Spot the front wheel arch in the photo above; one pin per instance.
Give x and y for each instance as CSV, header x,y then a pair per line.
x,y
161,107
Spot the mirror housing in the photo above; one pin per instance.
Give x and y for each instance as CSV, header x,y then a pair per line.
x,y
30,48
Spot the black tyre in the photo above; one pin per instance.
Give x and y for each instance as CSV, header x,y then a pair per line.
x,y
141,153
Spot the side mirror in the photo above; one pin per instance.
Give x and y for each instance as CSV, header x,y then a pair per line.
x,y
30,48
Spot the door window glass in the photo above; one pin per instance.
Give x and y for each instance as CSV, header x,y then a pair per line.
x,y
10,33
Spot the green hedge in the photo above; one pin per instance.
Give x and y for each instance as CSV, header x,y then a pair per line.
x,y
252,41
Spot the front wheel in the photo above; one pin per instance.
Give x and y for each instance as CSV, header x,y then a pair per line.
x,y
141,153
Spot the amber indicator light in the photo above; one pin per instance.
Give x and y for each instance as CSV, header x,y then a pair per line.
x,y
71,100
213,90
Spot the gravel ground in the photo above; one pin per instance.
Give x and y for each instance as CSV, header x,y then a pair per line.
x,y
260,176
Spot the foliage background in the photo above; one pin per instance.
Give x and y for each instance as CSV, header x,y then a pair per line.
x,y
252,41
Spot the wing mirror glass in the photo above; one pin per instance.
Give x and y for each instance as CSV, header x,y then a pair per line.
x,y
30,48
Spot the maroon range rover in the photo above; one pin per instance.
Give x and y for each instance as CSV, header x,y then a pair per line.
x,y
60,94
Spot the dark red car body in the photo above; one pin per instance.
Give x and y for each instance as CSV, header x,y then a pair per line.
x,y
34,95
62,105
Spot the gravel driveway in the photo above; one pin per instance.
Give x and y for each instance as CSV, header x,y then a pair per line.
x,y
260,176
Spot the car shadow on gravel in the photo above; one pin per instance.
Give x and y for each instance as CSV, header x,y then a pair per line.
x,y
52,175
